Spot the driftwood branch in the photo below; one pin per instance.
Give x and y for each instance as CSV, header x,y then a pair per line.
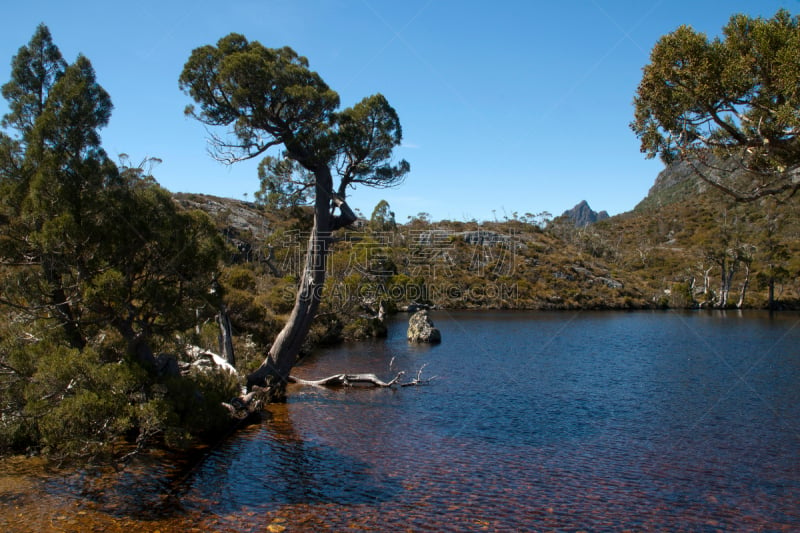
x,y
347,380
418,380
352,380
251,403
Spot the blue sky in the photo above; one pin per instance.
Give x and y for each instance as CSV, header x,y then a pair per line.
x,y
506,106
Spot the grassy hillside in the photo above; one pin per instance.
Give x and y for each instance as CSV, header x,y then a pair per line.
x,y
671,251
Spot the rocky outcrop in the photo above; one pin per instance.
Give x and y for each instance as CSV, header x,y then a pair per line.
x,y
241,223
584,275
679,181
484,238
421,328
445,236
583,215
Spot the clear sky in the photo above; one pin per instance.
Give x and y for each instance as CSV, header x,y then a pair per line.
x,y
506,106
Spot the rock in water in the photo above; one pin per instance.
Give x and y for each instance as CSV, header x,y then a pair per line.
x,y
421,328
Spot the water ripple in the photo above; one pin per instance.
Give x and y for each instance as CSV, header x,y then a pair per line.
x,y
539,421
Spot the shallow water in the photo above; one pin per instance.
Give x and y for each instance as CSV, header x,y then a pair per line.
x,y
535,421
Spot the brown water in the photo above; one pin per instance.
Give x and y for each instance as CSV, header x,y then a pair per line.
x,y
537,421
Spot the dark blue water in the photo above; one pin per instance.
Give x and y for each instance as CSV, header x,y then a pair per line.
x,y
535,421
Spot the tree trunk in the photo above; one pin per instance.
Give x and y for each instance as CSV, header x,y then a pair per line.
x,y
371,380
137,343
348,380
771,292
745,284
728,269
58,299
707,283
274,371
225,336
270,260
60,302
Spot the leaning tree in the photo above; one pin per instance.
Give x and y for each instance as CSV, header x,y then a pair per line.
x,y
729,106
268,100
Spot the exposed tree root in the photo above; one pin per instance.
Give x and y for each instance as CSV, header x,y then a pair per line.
x,y
248,404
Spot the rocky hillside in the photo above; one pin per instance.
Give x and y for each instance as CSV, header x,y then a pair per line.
x,y
679,182
243,224
669,251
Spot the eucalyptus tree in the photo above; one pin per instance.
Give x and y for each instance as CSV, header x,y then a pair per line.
x,y
729,105
268,99
382,218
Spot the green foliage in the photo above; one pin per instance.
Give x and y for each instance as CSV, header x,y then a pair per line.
x,y
368,132
733,97
382,218
364,328
102,253
81,404
78,404
240,278
271,98
71,402
284,184
265,90
196,405
34,71
682,295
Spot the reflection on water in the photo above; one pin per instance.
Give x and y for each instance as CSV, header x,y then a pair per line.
x,y
597,421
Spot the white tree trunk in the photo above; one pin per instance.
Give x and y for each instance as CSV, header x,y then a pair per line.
x,y
274,371
226,336
745,284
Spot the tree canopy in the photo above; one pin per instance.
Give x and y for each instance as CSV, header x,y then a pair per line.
x,y
268,97
731,98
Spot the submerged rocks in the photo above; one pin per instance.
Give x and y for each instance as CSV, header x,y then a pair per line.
x,y
421,328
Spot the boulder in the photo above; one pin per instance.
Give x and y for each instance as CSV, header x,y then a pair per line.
x,y
421,328
413,307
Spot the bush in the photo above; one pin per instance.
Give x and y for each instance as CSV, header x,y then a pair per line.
x,y
78,404
240,277
364,328
197,402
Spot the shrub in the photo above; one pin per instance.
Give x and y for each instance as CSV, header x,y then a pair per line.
x,y
240,277
364,328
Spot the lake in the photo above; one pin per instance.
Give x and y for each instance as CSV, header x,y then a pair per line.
x,y
534,421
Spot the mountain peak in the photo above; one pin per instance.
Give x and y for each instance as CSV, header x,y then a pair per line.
x,y
583,215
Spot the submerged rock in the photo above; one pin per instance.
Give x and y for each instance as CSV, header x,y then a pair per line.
x,y
421,328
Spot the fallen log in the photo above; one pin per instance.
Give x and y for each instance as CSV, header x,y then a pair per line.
x,y
347,380
351,380
251,403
